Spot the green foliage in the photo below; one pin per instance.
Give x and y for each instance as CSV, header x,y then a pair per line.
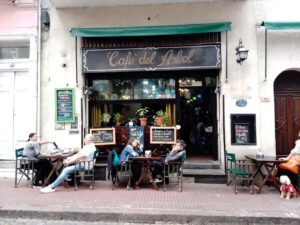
x,y
117,117
142,112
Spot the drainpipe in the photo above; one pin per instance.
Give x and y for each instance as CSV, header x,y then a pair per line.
x,y
38,69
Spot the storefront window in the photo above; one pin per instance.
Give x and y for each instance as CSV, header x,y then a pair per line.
x,y
134,89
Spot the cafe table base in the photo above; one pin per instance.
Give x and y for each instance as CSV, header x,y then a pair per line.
x,y
146,171
269,164
56,163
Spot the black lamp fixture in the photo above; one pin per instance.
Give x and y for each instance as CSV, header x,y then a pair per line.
x,y
241,52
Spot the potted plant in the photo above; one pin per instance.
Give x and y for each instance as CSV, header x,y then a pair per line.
x,y
161,117
118,118
106,118
141,114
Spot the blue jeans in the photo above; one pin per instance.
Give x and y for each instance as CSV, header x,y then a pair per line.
x,y
63,175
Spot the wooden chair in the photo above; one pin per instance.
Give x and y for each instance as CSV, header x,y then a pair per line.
x,y
173,171
238,170
84,170
24,167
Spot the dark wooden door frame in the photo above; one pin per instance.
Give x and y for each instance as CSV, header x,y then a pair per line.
x,y
287,110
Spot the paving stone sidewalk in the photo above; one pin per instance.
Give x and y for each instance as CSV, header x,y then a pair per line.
x,y
197,204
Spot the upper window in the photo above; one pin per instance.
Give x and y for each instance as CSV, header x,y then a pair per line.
x,y
14,50
134,89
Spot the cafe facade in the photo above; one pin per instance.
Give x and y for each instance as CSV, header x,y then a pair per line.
x,y
178,57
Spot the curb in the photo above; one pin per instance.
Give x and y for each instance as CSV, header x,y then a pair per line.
x,y
148,218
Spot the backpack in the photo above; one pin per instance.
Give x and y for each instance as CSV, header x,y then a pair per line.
x,y
116,160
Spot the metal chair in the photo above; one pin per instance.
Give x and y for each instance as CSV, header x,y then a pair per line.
x,y
238,170
117,169
24,167
173,171
84,170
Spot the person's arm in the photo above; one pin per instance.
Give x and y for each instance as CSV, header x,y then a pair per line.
x,y
174,157
132,152
45,142
75,158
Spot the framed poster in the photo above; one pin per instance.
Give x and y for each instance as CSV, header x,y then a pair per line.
x,y
243,129
163,135
104,136
241,133
65,105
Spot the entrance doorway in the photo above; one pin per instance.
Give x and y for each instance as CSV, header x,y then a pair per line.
x,y
287,110
18,111
198,114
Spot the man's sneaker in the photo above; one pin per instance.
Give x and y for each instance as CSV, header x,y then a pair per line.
x,y
47,189
158,180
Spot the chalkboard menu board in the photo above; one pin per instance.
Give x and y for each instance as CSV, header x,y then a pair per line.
x,y
104,136
162,135
138,133
64,105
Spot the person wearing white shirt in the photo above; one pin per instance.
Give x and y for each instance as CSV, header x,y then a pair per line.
x,y
87,152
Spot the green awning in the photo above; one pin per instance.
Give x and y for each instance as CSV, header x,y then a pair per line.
x,y
151,30
281,25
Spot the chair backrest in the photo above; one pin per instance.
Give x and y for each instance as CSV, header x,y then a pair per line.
x,y
230,157
183,157
19,153
96,153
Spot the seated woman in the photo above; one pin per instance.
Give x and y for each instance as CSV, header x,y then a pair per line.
x,y
176,155
32,150
131,150
292,167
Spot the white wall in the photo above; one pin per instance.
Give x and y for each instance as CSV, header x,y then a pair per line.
x,y
245,81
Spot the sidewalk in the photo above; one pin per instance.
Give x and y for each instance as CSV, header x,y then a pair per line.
x,y
197,204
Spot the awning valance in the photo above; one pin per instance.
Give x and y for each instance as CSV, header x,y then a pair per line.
x,y
281,25
151,30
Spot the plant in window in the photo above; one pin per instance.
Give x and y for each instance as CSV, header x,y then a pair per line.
x,y
117,117
106,117
161,118
142,112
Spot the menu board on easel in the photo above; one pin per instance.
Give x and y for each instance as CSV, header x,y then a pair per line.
x,y
162,135
65,105
104,136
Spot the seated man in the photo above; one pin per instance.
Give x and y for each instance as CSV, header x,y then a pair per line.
x,y
174,156
87,152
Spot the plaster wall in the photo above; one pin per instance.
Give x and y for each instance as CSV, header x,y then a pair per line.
x,y
245,81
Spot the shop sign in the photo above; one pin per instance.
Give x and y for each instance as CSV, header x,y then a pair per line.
x,y
241,103
151,59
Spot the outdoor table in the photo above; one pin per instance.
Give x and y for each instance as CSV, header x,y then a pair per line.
x,y
269,163
55,160
146,163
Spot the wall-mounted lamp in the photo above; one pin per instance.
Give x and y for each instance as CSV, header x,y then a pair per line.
x,y
241,52
87,91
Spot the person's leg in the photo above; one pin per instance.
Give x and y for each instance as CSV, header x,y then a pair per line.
x,y
64,174
39,173
45,168
157,168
